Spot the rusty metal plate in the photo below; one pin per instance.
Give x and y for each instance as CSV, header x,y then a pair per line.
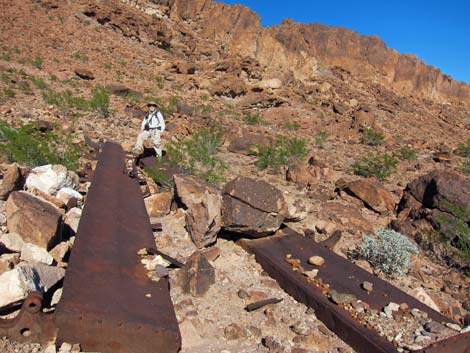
x,y
344,277
109,304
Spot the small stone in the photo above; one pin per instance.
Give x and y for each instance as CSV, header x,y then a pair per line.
x,y
404,306
34,253
311,274
341,298
454,327
50,349
316,260
65,348
56,297
243,294
161,271
76,348
367,286
433,327
465,329
234,332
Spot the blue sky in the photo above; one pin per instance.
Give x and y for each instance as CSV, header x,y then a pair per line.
x,y
438,32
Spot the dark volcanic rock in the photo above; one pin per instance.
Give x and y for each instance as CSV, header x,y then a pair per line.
x,y
198,275
252,207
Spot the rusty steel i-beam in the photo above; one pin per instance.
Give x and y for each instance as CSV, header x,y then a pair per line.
x,y
345,277
109,304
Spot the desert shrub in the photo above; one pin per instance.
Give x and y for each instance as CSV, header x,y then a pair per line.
x,y
408,153
253,119
456,231
38,82
196,154
27,144
37,62
65,100
380,165
157,173
321,138
280,153
160,82
6,56
99,101
371,137
465,166
79,56
388,250
291,125
8,92
463,149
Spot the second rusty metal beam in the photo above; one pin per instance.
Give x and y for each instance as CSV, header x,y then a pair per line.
x,y
109,304
344,277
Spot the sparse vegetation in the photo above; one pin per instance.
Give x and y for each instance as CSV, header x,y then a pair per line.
x,y
254,119
456,231
38,82
291,125
6,56
157,174
408,153
66,100
8,92
37,62
27,144
371,137
388,250
381,165
81,57
280,153
321,138
99,101
465,166
196,154
160,82
464,149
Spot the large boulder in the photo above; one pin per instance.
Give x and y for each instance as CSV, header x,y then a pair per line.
x,y
35,220
444,190
51,178
12,181
204,205
371,193
16,284
252,207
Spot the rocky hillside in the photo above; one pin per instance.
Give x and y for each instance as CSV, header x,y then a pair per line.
x,y
301,125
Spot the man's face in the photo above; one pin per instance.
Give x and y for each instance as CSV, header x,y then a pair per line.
x,y
152,108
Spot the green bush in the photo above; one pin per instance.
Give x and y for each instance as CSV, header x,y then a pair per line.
x,y
37,62
253,119
382,165
280,153
99,101
456,231
464,149
195,154
408,153
65,100
321,138
371,137
26,144
465,166
388,250
38,82
8,92
157,174
291,125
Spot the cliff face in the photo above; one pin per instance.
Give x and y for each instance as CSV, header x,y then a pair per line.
x,y
298,49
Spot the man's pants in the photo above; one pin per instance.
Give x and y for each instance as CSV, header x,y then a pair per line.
x,y
154,135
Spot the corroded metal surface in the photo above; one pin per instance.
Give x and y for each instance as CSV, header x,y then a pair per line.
x,y
344,277
109,304
31,324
